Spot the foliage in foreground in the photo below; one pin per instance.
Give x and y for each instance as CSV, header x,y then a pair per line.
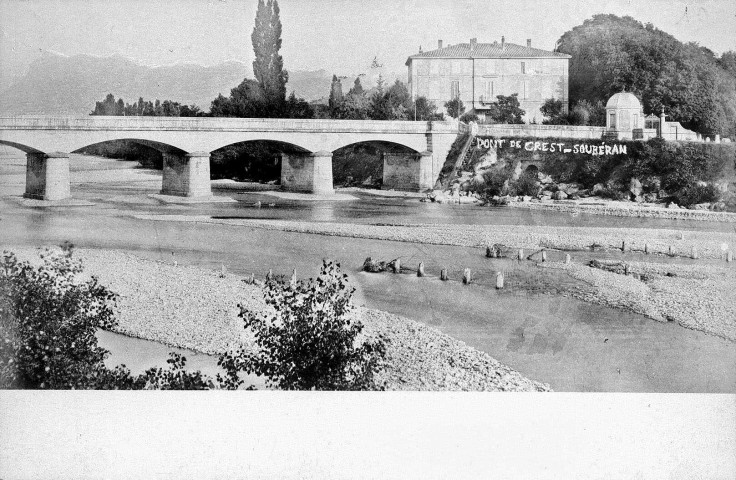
x,y
308,341
48,321
49,318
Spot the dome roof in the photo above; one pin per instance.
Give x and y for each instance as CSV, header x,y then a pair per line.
x,y
624,100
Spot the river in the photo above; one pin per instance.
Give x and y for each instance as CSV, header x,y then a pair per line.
x,y
572,345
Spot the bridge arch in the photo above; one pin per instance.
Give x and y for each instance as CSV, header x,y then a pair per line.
x,y
21,146
257,159
159,146
392,144
361,163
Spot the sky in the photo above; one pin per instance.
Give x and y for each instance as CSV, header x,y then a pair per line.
x,y
340,36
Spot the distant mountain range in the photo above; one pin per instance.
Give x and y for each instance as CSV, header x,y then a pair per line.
x,y
61,85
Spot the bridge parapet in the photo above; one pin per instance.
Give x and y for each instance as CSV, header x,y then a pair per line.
x,y
118,123
541,131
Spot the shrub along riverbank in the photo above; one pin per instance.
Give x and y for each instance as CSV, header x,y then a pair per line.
x,y
655,171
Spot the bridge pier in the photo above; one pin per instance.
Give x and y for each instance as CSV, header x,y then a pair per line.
x,y
186,175
47,176
411,172
307,172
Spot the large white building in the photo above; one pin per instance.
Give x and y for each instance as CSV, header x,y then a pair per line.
x,y
478,72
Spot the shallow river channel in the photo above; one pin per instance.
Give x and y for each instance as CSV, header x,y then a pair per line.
x,y
570,344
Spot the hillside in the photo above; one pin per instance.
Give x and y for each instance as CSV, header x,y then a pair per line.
x,y
60,85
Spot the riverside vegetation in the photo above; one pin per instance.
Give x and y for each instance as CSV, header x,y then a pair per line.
x,y
49,317
671,173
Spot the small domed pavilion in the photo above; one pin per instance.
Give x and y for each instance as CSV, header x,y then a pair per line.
x,y
624,113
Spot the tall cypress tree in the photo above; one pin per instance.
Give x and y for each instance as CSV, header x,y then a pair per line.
x,y
268,66
336,96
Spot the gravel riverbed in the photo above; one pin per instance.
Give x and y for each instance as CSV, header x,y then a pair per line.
x,y
195,308
695,296
707,244
699,297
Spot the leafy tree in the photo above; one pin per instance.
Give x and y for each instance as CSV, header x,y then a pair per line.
x,y
455,107
728,62
106,107
553,111
48,321
309,341
353,107
297,107
506,109
247,100
357,88
425,109
190,111
336,96
611,53
120,107
393,103
268,66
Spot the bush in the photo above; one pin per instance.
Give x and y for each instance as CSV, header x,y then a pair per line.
x,y
309,341
495,183
526,184
697,193
469,117
455,107
48,321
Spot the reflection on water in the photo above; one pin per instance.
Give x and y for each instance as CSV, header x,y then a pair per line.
x,y
139,355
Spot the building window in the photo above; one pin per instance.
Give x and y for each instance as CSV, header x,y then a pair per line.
x,y
488,94
524,92
454,89
523,68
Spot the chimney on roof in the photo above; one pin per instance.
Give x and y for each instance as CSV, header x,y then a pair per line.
x,y
439,43
503,43
528,43
473,43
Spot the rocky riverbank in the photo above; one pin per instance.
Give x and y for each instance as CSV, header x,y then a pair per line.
x,y
194,308
625,209
699,297
712,245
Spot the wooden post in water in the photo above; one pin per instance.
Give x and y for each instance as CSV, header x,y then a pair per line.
x,y
499,280
397,265
544,255
466,276
623,246
420,269
521,254
567,258
443,274
626,268
646,248
694,252
671,251
729,256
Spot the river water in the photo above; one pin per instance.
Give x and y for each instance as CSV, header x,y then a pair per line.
x,y
573,345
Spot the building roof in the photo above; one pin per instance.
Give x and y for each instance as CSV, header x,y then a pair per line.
x,y
488,50
624,100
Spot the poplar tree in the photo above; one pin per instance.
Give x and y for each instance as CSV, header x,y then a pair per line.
x,y
336,96
268,66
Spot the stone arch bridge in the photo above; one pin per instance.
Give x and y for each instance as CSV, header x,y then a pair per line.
x,y
186,144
